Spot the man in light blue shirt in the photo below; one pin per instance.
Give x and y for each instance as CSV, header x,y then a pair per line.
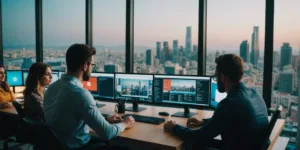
x,y
70,110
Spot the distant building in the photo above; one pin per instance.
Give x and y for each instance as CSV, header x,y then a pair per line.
x,y
286,84
158,50
175,51
255,46
188,41
276,59
244,51
27,62
149,57
167,51
111,68
286,55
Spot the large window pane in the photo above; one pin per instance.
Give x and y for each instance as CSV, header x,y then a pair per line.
x,y
18,33
166,36
237,27
285,64
109,35
63,25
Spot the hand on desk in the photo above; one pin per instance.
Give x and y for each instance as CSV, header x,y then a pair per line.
x,y
5,105
114,119
169,125
194,123
129,122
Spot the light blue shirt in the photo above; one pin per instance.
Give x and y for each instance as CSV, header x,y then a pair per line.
x,y
70,110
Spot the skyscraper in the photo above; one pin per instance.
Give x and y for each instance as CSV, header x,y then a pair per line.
x,y
255,46
149,57
158,50
111,68
286,55
244,51
167,51
27,62
188,41
286,83
175,51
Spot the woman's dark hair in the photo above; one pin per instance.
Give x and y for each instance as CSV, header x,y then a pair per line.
x,y
35,74
4,85
77,55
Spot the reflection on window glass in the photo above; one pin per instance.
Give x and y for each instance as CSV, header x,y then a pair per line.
x,y
285,65
233,27
18,22
63,25
166,36
109,35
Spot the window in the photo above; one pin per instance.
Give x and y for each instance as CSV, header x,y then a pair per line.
x,y
63,25
109,35
233,27
166,36
18,20
286,65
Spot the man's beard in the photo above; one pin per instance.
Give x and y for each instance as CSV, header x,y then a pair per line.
x,y
221,87
86,76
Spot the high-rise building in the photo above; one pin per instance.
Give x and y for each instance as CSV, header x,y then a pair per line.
x,y
27,62
175,51
149,57
244,51
188,41
286,84
111,68
255,46
286,55
167,51
276,59
158,50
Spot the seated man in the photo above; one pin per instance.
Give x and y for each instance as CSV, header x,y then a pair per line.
x,y
241,118
70,109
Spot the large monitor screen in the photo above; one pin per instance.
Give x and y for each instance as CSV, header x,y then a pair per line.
x,y
134,87
91,84
14,77
186,90
106,86
215,96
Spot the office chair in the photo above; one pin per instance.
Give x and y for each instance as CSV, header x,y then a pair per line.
x,y
43,137
272,123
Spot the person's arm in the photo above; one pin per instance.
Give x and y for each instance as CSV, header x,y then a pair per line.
x,y
35,105
212,128
92,117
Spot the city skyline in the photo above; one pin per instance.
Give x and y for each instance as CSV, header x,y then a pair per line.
x,y
147,30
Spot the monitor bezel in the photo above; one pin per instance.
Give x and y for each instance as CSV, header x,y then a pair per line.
x,y
182,104
140,102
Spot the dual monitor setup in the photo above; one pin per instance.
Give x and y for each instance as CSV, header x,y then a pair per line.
x,y
174,90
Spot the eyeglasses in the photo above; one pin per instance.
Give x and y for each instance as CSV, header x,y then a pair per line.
x,y
93,65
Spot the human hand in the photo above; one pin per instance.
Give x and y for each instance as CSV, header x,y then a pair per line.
x,y
169,125
129,122
6,105
114,119
194,123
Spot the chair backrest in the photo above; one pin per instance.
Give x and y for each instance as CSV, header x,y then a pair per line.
x,y
272,123
44,137
19,109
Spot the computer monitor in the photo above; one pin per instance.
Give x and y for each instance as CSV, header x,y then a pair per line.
x,y
25,74
182,90
91,84
105,85
215,96
60,74
54,76
134,87
14,77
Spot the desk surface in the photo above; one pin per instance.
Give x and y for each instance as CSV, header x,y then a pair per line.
x,y
154,135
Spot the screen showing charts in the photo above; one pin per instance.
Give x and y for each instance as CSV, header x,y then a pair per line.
x,y
215,96
189,90
14,78
134,87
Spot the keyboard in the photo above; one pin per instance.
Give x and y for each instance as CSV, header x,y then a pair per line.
x,y
145,119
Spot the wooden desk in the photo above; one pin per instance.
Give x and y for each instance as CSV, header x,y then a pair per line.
x,y
148,136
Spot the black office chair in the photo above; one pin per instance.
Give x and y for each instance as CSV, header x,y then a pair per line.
x,y
44,137
272,123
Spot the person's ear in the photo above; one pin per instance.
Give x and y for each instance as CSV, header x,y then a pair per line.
x,y
85,66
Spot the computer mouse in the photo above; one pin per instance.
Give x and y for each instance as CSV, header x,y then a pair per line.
x,y
163,113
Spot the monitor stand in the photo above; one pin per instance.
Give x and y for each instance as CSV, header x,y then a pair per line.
x,y
135,107
185,114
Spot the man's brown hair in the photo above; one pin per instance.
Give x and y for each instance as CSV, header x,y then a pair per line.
x,y
231,66
77,55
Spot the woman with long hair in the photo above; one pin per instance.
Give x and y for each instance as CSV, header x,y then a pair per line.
x,y
39,76
6,94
